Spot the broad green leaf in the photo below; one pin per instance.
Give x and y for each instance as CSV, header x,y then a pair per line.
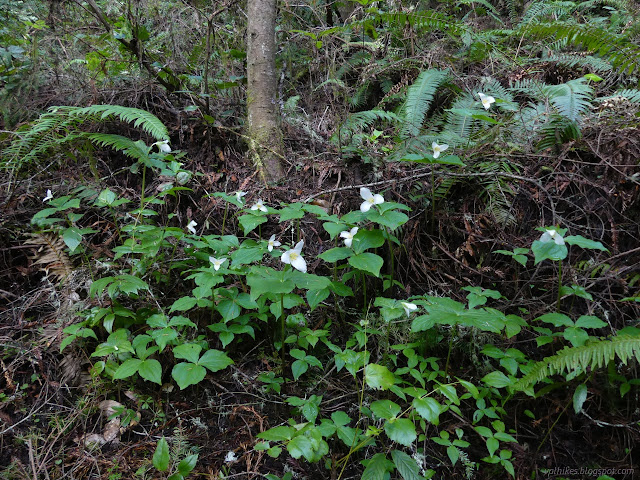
x,y
367,262
556,319
277,434
300,446
188,351
246,255
377,467
548,251
249,222
128,368
315,297
291,212
406,465
497,380
334,229
272,284
186,374
161,456
229,309
428,408
215,360
106,198
385,409
151,370
580,241
308,281
298,368
378,376
366,239
336,254
576,336
72,238
589,321
187,464
390,219
401,430
183,304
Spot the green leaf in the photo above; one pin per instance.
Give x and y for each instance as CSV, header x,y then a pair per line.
x,y
385,409
188,351
106,198
336,254
183,304
580,241
272,284
377,467
556,319
548,251
277,434
246,255
249,222
428,408
128,368
378,376
161,456
186,374
215,360
315,297
299,446
589,321
334,229
151,370
401,430
366,239
406,465
72,238
291,212
187,464
229,309
368,262
576,336
497,380
298,368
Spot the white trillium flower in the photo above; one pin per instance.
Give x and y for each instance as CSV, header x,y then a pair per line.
x,y
438,149
369,199
294,257
486,100
217,262
551,235
348,236
49,196
409,307
230,457
239,195
259,206
164,146
192,226
273,242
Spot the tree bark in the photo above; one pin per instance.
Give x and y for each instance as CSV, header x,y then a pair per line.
x,y
263,128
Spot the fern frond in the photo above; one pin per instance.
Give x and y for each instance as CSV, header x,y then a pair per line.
x,y
356,122
577,359
51,256
571,99
140,118
631,95
136,150
425,20
623,54
573,60
419,97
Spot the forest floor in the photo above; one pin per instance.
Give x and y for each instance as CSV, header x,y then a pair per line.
x,y
49,404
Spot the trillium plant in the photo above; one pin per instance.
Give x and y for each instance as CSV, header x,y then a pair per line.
x,y
259,205
486,100
49,196
217,262
294,257
192,226
369,199
348,236
438,149
164,146
409,307
273,242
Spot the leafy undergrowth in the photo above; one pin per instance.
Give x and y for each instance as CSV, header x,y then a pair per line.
x,y
247,334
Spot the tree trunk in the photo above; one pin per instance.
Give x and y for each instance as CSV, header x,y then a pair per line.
x,y
263,129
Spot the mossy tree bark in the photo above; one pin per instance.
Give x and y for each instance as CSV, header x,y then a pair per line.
x,y
263,128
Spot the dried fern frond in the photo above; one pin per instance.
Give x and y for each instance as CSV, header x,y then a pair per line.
x,y
51,256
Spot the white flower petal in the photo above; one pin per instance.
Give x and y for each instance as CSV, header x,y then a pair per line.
x,y
230,457
365,206
378,199
409,307
192,226
299,245
486,100
299,263
286,257
365,193
49,196
164,146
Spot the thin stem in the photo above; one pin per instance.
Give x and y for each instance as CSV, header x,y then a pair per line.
x,y
391,260
224,217
559,284
144,183
282,322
